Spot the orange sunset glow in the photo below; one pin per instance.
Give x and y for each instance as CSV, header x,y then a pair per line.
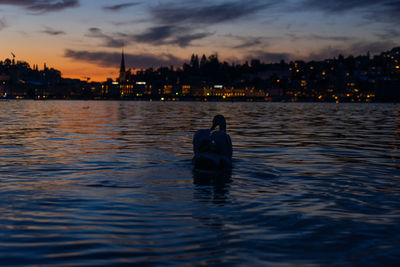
x,y
85,38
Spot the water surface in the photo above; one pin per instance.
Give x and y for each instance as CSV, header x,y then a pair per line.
x,y
111,183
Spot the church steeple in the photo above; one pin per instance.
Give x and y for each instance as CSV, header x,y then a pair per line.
x,y
122,70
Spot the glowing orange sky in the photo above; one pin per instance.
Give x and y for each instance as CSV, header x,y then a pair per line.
x,y
84,38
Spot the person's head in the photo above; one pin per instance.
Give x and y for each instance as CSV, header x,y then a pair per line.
x,y
219,120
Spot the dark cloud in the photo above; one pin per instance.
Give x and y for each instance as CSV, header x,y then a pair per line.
x,y
318,37
181,22
330,38
169,34
268,57
390,12
51,31
129,22
382,11
186,39
108,59
159,35
108,41
250,42
202,12
120,6
156,34
42,6
338,5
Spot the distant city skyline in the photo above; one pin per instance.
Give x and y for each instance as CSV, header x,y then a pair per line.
x,y
84,38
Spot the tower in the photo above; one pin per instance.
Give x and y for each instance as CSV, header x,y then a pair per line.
x,y
122,70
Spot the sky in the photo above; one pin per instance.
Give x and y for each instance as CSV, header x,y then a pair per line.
x,y
85,38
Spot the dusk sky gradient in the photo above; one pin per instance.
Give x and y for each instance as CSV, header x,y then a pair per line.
x,y
84,38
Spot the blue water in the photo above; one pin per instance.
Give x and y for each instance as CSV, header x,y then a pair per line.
x,y
86,183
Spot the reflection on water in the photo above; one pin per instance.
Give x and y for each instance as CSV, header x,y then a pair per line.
x,y
104,183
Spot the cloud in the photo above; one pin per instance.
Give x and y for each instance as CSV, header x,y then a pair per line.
x,y
51,31
180,23
388,34
390,12
337,6
129,22
186,39
381,11
3,24
269,57
120,6
108,41
318,37
109,59
204,12
169,34
372,47
338,38
250,41
158,35
42,6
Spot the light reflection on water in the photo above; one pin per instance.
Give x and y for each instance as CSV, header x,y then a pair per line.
x,y
102,183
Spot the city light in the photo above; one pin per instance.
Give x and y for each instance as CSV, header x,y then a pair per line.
x,y
283,82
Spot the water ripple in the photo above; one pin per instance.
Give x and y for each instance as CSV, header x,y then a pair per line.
x,y
111,183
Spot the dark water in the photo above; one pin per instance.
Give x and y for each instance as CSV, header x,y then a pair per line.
x,y
111,183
